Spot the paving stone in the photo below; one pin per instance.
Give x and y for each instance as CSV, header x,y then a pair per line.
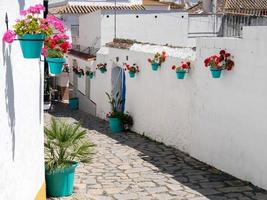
x,y
129,166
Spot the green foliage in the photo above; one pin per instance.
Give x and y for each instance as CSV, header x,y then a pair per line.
x,y
64,144
31,25
127,121
54,53
115,102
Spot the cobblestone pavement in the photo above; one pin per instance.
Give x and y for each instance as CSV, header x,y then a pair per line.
x,y
129,166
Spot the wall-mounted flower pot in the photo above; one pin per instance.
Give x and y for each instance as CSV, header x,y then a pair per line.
x,y
90,76
216,73
31,45
79,75
115,125
73,103
180,75
55,65
132,74
154,66
102,70
59,183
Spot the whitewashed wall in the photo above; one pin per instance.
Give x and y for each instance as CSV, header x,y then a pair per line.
x,y
97,29
21,115
219,121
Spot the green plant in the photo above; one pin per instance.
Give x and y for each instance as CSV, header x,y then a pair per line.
x,y
127,121
65,144
116,104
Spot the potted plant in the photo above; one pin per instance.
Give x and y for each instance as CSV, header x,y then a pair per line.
x,y
31,30
220,62
54,49
132,69
127,121
78,72
157,60
116,114
181,70
102,67
89,74
65,146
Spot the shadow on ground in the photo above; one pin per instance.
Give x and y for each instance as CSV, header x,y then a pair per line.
x,y
210,182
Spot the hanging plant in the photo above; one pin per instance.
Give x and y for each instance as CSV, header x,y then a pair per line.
x,y
31,30
54,49
78,72
217,63
181,70
132,69
89,74
66,68
102,67
157,60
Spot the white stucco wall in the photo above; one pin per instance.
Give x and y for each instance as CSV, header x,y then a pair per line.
x,y
218,121
21,115
97,29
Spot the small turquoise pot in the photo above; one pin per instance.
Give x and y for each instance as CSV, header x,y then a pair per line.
x,y
73,103
180,75
90,76
115,125
31,45
154,66
59,183
216,73
79,75
55,65
132,74
103,70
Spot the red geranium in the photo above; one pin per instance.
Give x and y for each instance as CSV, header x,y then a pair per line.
x,y
184,67
134,68
158,58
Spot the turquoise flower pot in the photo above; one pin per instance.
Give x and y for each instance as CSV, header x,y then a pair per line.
x,y
79,75
90,76
31,45
55,65
59,183
74,103
154,66
180,75
132,74
115,125
216,73
103,70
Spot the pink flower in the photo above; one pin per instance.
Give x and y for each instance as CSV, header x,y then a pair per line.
x,y
44,52
9,36
56,23
23,12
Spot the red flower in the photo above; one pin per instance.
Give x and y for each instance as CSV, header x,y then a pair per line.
x,y
222,52
227,55
206,61
173,67
184,66
149,60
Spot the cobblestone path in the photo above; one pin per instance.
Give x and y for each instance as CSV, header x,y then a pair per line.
x,y
129,166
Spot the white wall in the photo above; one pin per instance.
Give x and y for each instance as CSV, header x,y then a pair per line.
x,y
97,29
21,116
218,121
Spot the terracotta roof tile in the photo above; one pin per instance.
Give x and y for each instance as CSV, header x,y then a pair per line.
x,y
83,9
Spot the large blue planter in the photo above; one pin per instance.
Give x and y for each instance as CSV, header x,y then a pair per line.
x,y
55,65
59,183
132,74
115,125
180,75
31,45
216,73
73,103
154,66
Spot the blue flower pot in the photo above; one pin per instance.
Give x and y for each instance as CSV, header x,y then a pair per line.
x,y
55,65
90,76
103,70
115,125
31,45
216,73
154,66
180,75
132,74
59,183
80,75
74,103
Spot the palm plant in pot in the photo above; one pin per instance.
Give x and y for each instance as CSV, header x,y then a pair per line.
x,y
65,146
31,30
116,114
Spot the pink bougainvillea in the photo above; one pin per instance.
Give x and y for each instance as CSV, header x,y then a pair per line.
x,y
9,36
